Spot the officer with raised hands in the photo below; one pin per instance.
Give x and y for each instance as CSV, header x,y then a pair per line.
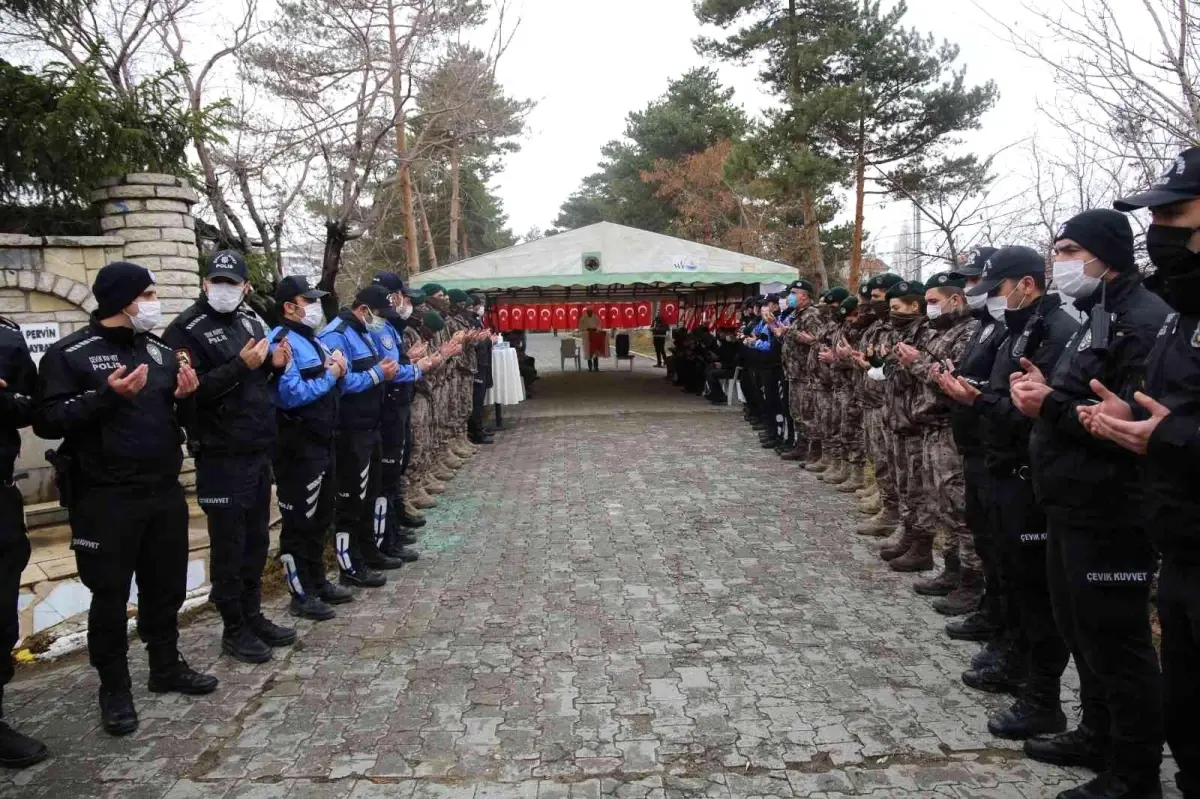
x,y
1100,559
359,441
233,441
306,401
115,394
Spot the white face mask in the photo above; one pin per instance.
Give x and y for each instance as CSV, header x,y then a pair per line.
x,y
314,317
405,311
149,314
223,297
933,311
783,306
479,312
375,323
996,306
1071,280
976,302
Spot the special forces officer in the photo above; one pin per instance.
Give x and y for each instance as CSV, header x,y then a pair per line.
x,y
232,439
305,394
114,393
18,381
1160,423
1100,559
359,445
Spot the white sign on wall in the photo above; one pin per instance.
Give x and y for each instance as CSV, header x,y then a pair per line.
x,y
38,337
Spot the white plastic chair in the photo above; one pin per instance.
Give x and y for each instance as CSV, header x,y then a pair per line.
x,y
569,348
733,389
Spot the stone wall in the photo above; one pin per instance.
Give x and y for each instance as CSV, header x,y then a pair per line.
x,y
145,219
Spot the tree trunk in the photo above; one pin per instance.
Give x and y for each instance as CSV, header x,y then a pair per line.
x,y
856,242
466,242
812,234
430,247
331,264
455,208
412,249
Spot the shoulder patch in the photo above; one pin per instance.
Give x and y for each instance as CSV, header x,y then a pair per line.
x,y
199,318
987,332
10,324
153,352
1085,340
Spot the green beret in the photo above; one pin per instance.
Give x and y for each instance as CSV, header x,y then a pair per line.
x,y
884,281
837,295
864,288
803,285
849,305
907,288
458,295
416,296
432,288
433,320
947,280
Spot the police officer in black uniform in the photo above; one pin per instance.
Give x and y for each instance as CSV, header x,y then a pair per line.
x,y
1038,330
1158,419
1100,559
114,393
18,381
477,432
233,441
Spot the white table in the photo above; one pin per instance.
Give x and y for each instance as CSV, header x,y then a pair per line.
x,y
507,386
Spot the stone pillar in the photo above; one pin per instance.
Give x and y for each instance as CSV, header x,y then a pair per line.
x,y
151,213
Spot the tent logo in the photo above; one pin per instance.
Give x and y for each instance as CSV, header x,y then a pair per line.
x,y
591,261
686,267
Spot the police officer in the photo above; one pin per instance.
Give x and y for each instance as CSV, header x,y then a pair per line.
x,y
306,401
114,393
765,355
18,381
1038,330
1100,560
477,432
232,439
1160,423
359,443
396,423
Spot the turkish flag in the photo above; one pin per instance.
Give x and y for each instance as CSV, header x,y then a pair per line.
x,y
643,311
503,319
729,315
629,314
669,310
602,312
573,314
531,317
545,317
615,318
560,317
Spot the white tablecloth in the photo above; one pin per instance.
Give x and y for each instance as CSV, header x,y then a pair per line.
x,y
507,388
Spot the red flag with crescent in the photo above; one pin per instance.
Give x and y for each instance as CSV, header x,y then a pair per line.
x,y
602,312
531,317
560,317
670,311
644,313
729,315
503,320
516,317
573,314
629,314
545,317
615,319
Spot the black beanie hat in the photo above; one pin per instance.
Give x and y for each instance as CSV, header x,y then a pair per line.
x,y
117,285
1104,233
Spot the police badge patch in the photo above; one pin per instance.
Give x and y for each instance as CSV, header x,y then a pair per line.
x,y
987,332
154,354
1085,340
388,343
1018,347
246,323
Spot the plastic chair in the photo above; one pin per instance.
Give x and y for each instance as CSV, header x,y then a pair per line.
x,y
733,389
569,348
621,351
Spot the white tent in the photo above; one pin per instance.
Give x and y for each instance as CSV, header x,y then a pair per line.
x,y
607,255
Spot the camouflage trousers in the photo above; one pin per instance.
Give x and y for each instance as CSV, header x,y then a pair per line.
x,y
879,444
423,444
850,426
948,497
913,485
828,422
798,401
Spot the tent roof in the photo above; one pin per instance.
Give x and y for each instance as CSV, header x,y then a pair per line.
x,y
626,256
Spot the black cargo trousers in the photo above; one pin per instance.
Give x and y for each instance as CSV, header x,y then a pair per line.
x,y
14,557
304,488
396,454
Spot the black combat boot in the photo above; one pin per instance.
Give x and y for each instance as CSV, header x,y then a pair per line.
x,y
307,606
240,642
269,632
118,716
964,598
1006,677
364,577
945,581
178,677
1110,785
1029,716
973,627
1081,747
17,750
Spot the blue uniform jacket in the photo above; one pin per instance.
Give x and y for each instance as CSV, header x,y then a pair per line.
x,y
762,344
305,380
389,344
359,351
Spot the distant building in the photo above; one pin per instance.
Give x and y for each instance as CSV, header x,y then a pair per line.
x,y
304,261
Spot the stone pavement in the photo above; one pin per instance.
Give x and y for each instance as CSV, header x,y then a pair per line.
x,y
626,605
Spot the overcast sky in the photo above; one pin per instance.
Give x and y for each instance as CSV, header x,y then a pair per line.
x,y
589,64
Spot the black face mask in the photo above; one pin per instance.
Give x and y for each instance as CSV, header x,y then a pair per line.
x,y
1168,249
902,320
879,308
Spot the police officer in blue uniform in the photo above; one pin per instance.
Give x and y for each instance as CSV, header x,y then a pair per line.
x,y
306,401
232,439
18,381
396,424
359,443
